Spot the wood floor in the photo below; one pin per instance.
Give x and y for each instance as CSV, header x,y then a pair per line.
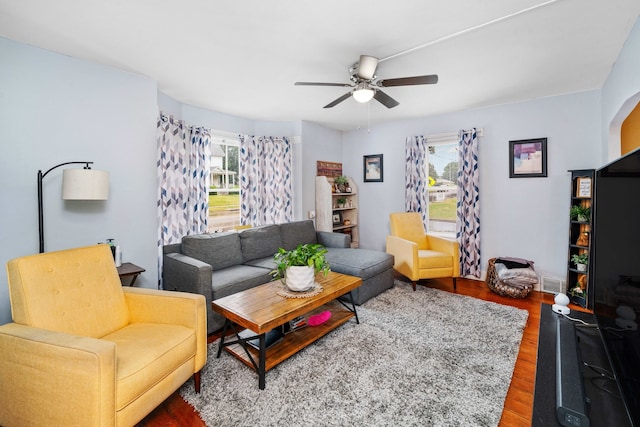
x,y
518,404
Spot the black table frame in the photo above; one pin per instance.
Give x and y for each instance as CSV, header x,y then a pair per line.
x,y
260,366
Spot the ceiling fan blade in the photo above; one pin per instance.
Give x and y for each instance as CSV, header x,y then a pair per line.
x,y
385,99
409,81
367,67
322,84
338,101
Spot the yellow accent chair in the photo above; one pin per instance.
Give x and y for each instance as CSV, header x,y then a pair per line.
x,y
84,351
419,255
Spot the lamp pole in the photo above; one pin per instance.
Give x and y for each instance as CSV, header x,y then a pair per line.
x,y
40,207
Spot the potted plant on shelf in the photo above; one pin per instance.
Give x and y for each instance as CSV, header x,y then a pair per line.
x,y
577,291
580,213
341,202
580,260
342,182
297,268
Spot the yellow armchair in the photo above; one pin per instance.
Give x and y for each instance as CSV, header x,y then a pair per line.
x,y
84,351
418,255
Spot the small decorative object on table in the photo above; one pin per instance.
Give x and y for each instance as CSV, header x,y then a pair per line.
x,y
319,319
297,268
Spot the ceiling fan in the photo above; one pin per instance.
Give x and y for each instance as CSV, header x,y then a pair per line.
x,y
366,84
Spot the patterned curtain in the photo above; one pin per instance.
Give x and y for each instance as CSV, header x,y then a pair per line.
x,y
416,176
183,182
265,186
468,207
199,181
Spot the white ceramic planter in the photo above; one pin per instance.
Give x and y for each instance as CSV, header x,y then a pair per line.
x,y
299,278
581,267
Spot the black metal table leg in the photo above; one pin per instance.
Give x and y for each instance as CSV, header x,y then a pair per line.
x,y
353,305
224,334
262,362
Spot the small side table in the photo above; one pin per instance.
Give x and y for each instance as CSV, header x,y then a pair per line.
x,y
128,273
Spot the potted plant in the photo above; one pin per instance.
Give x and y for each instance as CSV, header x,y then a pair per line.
x,y
577,291
580,260
341,181
297,268
341,202
580,213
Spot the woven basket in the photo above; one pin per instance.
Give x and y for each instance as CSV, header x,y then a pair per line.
x,y
501,288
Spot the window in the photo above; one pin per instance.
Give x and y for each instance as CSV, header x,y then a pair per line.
x,y
442,158
224,192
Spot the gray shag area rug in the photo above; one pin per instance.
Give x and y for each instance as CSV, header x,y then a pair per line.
x,y
423,358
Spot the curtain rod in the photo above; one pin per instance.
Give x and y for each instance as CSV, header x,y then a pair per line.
x,y
448,136
214,132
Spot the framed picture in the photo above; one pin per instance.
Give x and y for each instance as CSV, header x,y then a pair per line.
x,y
330,169
528,158
373,168
583,188
337,218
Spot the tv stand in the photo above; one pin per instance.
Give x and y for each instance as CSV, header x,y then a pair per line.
x,y
605,406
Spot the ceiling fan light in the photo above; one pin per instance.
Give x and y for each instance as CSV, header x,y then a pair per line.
x,y
363,95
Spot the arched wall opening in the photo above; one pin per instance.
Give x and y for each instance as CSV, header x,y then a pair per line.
x,y
624,131
630,131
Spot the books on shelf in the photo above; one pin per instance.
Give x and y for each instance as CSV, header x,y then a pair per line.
x,y
273,336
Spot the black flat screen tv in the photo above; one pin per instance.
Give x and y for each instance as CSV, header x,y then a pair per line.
x,y
616,273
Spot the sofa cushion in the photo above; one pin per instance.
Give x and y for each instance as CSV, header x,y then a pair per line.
x,y
362,263
267,263
434,259
219,250
236,279
260,242
296,233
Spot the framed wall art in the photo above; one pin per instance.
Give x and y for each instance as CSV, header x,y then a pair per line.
x,y
583,188
373,168
337,218
330,169
528,158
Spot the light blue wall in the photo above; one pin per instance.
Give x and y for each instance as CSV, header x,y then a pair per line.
x,y
620,94
521,217
55,109
318,143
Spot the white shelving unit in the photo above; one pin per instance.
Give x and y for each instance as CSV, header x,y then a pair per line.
x,y
328,209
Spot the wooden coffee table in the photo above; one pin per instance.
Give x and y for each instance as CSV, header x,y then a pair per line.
x,y
261,309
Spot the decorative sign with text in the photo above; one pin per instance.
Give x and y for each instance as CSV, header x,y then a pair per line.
x,y
330,169
584,187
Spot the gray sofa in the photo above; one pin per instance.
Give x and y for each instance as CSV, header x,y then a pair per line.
x,y
221,264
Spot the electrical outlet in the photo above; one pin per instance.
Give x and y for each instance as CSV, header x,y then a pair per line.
x,y
312,214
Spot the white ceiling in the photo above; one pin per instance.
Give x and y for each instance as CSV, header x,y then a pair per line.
x,y
242,57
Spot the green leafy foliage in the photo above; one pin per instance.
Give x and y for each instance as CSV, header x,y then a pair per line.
x,y
579,210
579,258
341,180
311,255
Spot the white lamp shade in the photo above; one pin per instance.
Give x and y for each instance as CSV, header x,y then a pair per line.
x,y
85,184
363,95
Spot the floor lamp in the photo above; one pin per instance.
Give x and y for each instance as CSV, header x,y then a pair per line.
x,y
77,184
